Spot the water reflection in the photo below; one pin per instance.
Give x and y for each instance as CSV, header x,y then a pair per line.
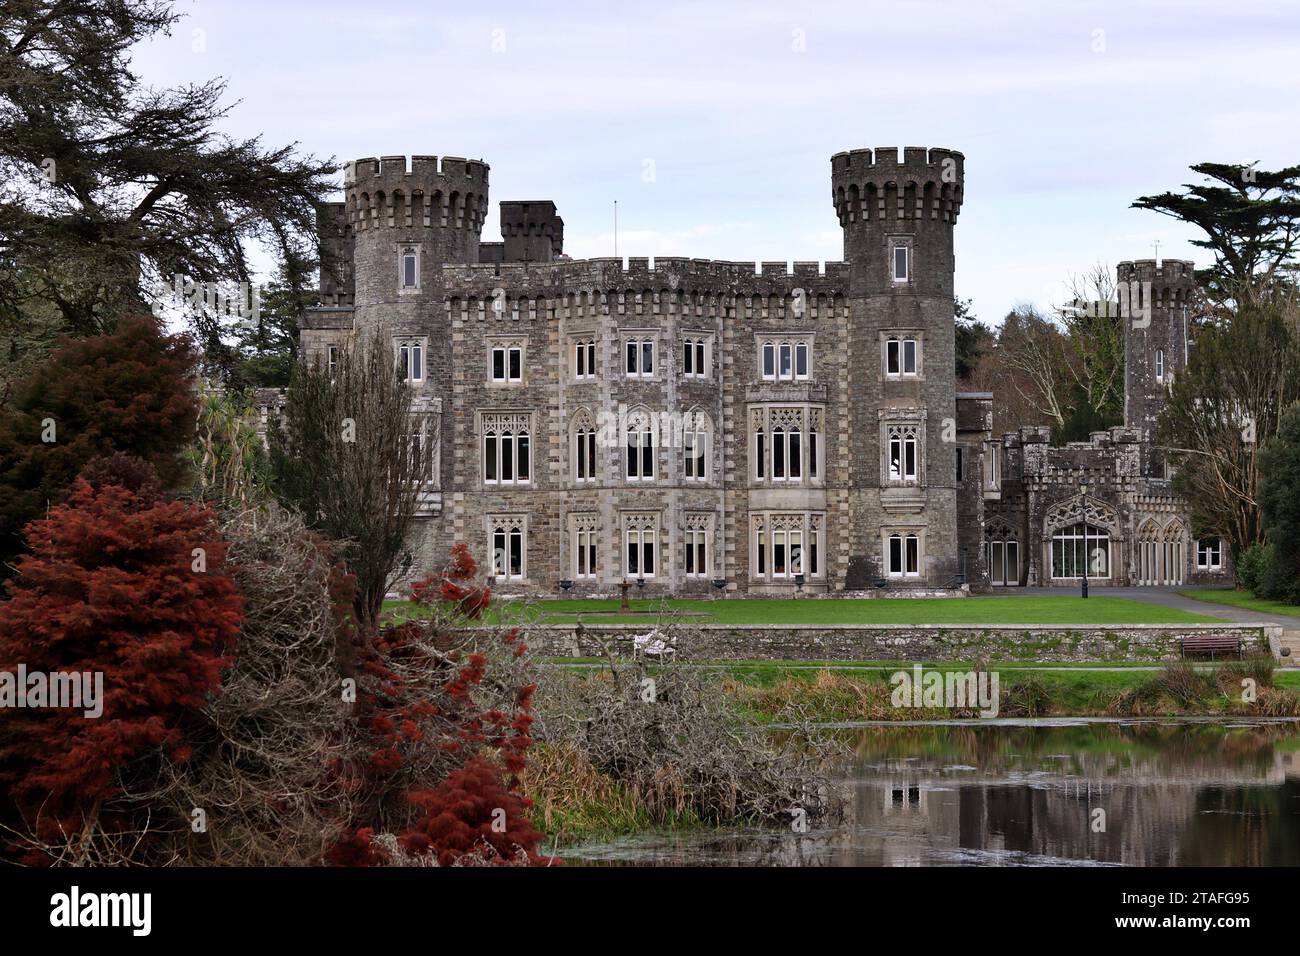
x,y
1169,794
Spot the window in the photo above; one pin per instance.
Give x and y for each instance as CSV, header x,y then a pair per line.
x,y
332,360
903,554
786,361
584,358
640,458
640,535
900,263
814,444
423,448
695,447
814,541
1002,552
1070,555
902,462
508,547
783,449
787,545
410,269
1160,365
639,358
507,455
410,359
695,357
992,467
507,363
696,555
584,448
901,358
584,546
1159,553
1209,553
961,455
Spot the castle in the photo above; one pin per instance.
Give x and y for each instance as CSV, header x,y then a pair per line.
x,y
697,425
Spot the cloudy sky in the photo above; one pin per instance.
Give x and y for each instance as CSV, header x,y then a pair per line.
x,y
713,125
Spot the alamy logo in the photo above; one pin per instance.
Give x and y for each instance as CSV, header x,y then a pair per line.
x,y
77,690
1134,303
212,299
75,908
953,689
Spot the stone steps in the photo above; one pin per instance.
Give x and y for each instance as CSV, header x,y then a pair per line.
x,y
1291,639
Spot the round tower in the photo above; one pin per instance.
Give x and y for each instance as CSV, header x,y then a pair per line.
x,y
1158,303
406,222
884,203
898,213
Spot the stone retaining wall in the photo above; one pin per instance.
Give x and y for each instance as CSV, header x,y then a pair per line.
x,y
869,642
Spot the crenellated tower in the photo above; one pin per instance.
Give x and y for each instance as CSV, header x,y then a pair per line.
x,y
897,213
404,222
428,209
532,231
1159,301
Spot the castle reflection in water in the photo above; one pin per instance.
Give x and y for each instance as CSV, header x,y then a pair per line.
x,y
988,794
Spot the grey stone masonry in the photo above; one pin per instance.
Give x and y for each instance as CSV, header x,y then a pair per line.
x,y
689,424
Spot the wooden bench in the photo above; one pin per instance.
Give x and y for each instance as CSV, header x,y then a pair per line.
x,y
1214,645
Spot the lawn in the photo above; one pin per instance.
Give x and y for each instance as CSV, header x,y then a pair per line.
x,y
1244,600
973,610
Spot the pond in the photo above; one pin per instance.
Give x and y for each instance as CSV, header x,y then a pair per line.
x,y
1071,792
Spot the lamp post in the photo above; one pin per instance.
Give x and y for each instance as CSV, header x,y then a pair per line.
x,y
1083,507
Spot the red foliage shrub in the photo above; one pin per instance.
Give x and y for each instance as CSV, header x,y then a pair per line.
x,y
472,813
454,586
433,696
111,586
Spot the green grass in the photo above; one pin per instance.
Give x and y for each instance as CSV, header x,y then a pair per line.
x,y
974,610
761,687
1244,600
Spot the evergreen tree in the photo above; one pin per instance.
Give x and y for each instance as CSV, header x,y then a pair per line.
x,y
127,391
1279,501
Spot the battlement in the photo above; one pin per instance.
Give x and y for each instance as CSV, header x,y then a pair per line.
x,y
1173,281
1169,271
359,171
641,274
919,183
532,230
423,193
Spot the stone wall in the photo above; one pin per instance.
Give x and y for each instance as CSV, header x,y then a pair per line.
x,y
890,642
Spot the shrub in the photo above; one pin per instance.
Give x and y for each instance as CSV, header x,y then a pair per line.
x,y
1253,568
471,817
672,739
128,391
1256,667
1186,684
1026,696
111,586
433,697
267,753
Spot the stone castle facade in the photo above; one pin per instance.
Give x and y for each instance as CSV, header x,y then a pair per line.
x,y
697,425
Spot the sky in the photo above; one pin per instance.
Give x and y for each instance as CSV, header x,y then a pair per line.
x,y
712,124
